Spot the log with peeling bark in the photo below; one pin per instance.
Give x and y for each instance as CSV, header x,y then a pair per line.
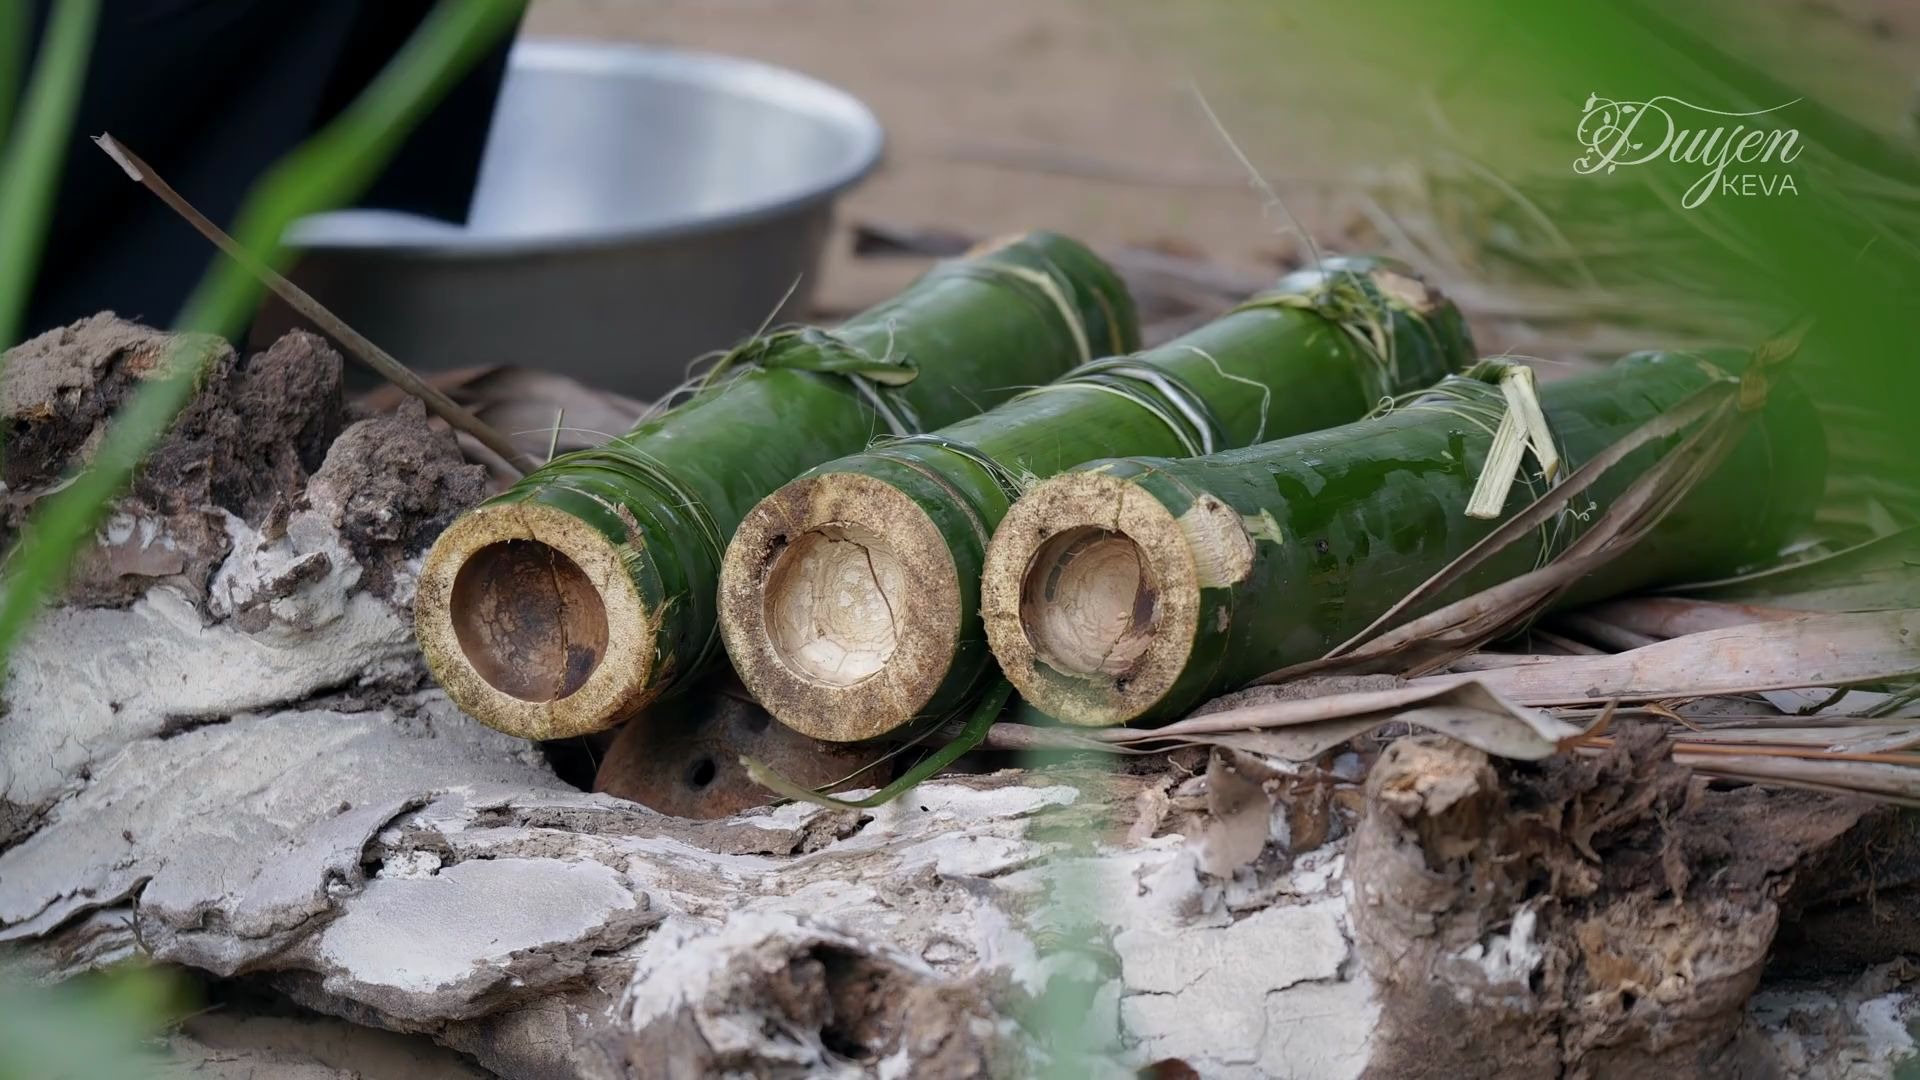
x,y
1132,589
586,591
849,598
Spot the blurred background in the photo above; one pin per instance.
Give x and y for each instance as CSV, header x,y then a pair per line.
x,y
1443,134
1078,115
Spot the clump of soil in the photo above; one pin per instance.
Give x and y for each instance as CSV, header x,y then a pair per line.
x,y
1582,916
245,450
245,443
397,485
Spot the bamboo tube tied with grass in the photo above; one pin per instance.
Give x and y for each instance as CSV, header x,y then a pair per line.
x,y
1132,589
849,598
586,591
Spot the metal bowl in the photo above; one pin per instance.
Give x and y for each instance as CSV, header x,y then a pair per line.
x,y
635,208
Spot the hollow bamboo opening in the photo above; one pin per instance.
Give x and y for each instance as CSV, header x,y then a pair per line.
x,y
528,620
1087,603
1090,597
840,606
532,622
833,602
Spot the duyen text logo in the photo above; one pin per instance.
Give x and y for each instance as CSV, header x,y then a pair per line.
x,y
1739,155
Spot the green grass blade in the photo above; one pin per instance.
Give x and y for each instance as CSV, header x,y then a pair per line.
x,y
98,1026
13,54
31,170
326,171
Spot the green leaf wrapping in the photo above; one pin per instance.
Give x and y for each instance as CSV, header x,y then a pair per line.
x,y
1322,347
1302,542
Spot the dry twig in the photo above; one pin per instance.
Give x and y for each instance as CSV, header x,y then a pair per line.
x,y
356,345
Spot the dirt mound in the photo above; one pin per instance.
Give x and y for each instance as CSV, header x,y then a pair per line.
x,y
245,448
1583,916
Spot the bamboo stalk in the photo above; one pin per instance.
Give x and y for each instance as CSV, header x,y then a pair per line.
x,y
849,598
586,591
1131,589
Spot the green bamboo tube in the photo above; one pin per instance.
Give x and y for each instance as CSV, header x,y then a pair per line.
x,y
587,590
1134,589
849,598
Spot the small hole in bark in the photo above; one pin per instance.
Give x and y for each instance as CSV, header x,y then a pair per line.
x,y
1088,603
528,620
702,773
865,999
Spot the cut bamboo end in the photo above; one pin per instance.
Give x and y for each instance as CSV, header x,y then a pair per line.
x,y
1091,597
840,606
529,620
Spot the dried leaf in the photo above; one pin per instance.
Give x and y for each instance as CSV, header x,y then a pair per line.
x,y
1895,783
1299,730
1850,738
1676,616
1815,650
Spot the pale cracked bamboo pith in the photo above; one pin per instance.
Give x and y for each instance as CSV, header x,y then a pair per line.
x,y
586,591
1133,589
849,598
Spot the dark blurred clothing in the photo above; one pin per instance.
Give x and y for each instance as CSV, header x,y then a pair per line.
x,y
212,92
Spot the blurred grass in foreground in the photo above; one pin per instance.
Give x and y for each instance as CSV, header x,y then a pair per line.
x,y
326,171
96,1027
33,145
1488,99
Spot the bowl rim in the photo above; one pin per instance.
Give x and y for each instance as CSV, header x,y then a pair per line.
x,y
781,86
